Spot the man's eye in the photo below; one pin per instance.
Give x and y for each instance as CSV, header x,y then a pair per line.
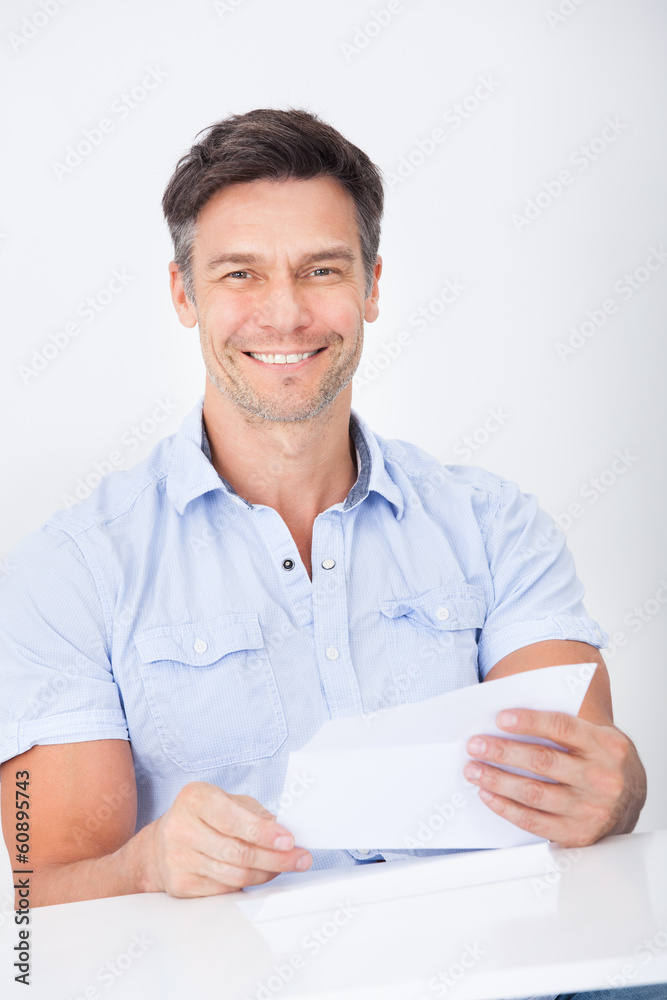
x,y
328,270
236,274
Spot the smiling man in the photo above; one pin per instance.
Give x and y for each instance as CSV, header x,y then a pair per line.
x,y
168,642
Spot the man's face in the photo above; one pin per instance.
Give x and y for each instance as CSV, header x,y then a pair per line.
x,y
278,272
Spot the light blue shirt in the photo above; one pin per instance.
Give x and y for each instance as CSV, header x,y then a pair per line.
x,y
167,610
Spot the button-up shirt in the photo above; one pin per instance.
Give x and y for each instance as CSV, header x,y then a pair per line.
x,y
167,610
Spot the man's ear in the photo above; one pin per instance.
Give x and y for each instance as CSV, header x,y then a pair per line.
x,y
185,309
371,310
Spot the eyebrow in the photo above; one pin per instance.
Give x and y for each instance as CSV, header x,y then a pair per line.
x,y
340,252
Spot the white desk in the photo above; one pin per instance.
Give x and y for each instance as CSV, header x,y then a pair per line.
x,y
517,936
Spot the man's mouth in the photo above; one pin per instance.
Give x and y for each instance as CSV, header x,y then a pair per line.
x,y
282,359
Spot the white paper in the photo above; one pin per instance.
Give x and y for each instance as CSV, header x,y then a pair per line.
x,y
291,895
394,779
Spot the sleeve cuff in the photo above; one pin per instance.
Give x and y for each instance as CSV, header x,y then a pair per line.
x,y
495,645
107,724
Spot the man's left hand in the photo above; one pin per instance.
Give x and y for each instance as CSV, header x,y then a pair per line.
x,y
601,784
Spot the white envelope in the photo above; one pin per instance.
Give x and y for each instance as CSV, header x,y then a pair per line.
x,y
393,779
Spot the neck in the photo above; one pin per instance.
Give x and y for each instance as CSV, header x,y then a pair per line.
x,y
299,468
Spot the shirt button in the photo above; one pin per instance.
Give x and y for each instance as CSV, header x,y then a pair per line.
x,y
442,614
332,653
200,646
365,851
328,563
288,564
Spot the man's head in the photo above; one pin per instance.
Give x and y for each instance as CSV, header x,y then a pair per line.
x,y
275,219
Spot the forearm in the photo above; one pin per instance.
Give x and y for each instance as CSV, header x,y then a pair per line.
x,y
123,872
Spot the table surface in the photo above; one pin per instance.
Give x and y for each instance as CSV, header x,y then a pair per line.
x,y
481,927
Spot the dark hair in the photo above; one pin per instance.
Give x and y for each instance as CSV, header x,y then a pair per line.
x,y
277,145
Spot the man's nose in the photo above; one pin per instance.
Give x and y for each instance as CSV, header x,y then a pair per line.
x,y
281,305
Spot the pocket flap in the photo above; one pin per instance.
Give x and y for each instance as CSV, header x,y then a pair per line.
x,y
200,644
443,608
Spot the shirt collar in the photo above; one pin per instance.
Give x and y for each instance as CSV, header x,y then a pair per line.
x,y
190,473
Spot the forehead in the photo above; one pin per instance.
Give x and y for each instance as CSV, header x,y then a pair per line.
x,y
279,210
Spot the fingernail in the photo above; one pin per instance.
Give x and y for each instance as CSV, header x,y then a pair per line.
x,y
484,795
283,843
305,861
476,745
473,771
507,719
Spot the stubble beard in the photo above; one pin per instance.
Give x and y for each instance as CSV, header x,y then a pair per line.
x,y
224,372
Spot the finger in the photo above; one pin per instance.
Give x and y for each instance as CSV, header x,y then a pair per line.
x,y
232,876
546,761
541,824
224,814
556,799
228,852
567,730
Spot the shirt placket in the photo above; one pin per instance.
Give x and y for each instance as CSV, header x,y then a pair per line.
x,y
329,600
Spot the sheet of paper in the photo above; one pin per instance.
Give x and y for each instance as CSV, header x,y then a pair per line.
x,y
290,895
394,779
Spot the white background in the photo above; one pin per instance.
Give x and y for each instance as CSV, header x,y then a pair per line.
x,y
556,79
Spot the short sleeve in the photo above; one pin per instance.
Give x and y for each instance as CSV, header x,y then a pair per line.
x,y
55,674
536,592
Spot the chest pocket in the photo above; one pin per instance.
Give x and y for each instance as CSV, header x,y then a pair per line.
x,y
432,640
211,691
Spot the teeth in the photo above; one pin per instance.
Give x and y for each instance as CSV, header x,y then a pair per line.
x,y
281,359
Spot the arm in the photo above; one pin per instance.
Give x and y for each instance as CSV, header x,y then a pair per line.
x,y
601,781
83,808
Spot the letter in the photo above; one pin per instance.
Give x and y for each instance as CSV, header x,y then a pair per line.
x,y
626,457
554,188
404,338
578,159
563,350
28,29
662,585
119,108
437,987
589,493
461,451
520,222
623,290
129,440
105,977
609,306
632,622
438,135
392,348
616,125
393,180
565,177
414,319
85,312
553,18
598,316
382,16
24,935
451,118
347,908
286,972
360,39
489,83
395,6
22,918
49,7
658,254
297,961
60,170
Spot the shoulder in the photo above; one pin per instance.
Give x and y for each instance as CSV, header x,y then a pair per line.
x,y
452,484
117,493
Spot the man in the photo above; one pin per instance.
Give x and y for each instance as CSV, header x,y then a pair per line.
x,y
167,642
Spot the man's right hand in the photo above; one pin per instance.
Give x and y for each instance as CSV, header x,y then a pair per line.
x,y
210,842
83,811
